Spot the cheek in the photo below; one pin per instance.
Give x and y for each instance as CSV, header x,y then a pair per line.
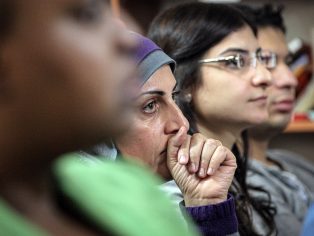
x,y
271,93
214,94
142,144
86,70
221,97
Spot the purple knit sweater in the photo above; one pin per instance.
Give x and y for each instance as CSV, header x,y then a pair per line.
x,y
215,220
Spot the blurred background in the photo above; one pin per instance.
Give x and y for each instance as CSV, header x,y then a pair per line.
x,y
299,20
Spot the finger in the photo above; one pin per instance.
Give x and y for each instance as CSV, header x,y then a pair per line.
x,y
184,151
218,158
174,144
196,147
230,159
209,149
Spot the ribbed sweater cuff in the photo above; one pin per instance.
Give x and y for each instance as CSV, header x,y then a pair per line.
x,y
215,220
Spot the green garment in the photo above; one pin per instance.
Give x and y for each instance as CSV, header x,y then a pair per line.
x,y
118,197
13,224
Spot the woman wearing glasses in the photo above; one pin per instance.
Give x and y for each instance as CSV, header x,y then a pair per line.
x,y
222,76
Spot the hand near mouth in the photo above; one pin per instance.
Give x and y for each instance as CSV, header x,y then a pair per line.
x,y
202,168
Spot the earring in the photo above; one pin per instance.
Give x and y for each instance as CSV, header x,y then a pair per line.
x,y
188,97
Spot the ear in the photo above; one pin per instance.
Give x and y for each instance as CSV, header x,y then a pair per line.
x,y
187,97
187,94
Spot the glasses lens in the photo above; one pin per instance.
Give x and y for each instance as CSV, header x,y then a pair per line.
x,y
289,60
267,58
242,61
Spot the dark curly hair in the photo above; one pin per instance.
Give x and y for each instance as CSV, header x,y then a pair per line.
x,y
185,32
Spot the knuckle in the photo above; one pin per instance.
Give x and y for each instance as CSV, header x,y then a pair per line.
x,y
204,164
198,136
193,155
218,142
223,149
211,142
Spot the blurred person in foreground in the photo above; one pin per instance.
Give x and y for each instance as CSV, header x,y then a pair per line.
x,y
62,89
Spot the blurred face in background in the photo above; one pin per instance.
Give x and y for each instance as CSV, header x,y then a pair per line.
x,y
61,71
282,91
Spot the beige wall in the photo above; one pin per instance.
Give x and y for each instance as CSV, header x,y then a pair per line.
x,y
299,18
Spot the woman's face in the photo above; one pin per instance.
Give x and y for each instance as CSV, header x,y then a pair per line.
x,y
156,119
62,70
230,97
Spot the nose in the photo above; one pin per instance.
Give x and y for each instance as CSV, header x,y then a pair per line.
x,y
262,77
175,119
283,77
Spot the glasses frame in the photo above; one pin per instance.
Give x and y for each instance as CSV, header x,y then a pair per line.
x,y
254,57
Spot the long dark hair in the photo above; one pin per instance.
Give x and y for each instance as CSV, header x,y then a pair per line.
x,y
185,32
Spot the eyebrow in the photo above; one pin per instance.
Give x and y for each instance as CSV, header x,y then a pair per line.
x,y
237,50
152,92
156,92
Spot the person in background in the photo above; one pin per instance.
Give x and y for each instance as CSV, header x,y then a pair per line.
x,y
62,89
288,176
222,76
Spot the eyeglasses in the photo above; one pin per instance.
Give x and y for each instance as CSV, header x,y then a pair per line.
x,y
243,60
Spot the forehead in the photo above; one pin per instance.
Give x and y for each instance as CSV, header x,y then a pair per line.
x,y
272,39
243,38
162,79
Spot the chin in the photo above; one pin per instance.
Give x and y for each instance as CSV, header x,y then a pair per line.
x,y
257,120
280,122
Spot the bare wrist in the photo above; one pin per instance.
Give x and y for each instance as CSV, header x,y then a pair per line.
x,y
194,202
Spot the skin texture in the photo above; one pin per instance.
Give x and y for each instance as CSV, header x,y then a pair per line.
x,y
61,86
202,168
156,119
228,101
281,94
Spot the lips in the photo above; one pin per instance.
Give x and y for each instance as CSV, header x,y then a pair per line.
x,y
285,105
260,99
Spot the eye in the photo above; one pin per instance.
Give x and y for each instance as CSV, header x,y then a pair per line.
x,y
150,107
234,62
89,12
269,59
